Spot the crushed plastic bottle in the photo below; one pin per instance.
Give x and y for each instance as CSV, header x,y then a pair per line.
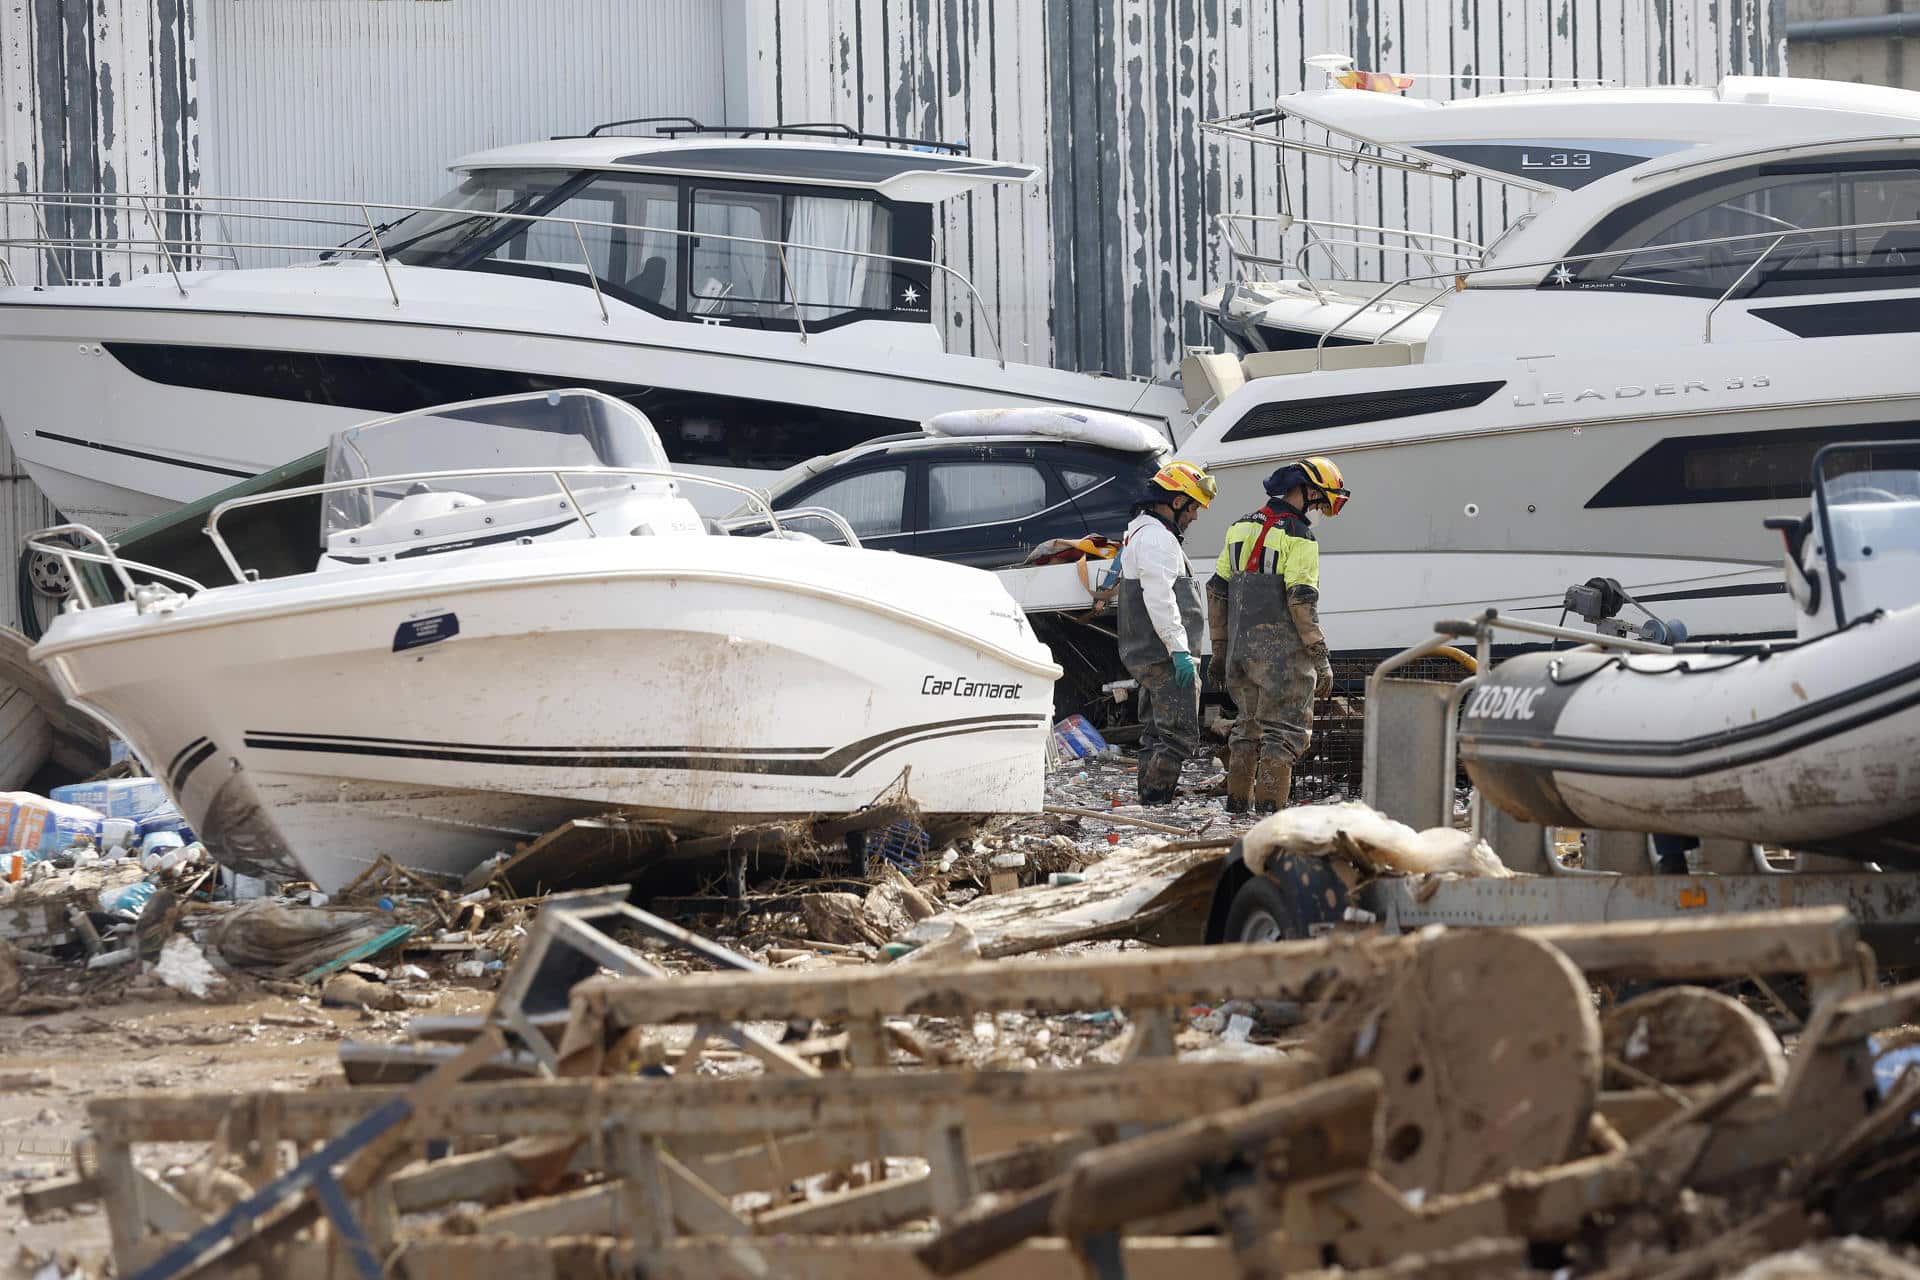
x,y
127,899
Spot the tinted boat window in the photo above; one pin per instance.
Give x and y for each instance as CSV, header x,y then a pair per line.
x,y
963,493
1743,466
1769,219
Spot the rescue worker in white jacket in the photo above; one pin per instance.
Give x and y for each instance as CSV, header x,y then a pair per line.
x,y
1163,630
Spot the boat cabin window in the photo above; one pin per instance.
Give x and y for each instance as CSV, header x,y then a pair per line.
x,y
824,238
1733,466
772,257
1775,230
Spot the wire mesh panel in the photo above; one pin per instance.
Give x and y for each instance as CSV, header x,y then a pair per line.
x,y
1332,767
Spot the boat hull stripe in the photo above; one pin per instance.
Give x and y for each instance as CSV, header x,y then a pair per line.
x,y
805,761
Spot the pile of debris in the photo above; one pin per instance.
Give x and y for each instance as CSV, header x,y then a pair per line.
x,y
105,894
1446,1103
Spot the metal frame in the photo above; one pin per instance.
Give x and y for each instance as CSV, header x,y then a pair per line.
x,y
558,474
123,568
196,207
108,556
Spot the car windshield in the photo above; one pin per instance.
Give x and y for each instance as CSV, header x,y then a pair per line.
x,y
1871,497
572,429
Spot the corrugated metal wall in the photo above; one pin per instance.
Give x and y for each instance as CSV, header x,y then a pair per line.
x,y
95,96
1099,268
369,99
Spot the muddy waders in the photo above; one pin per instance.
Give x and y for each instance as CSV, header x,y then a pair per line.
x,y
1170,714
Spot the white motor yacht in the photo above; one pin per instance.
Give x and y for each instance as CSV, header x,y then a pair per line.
x,y
516,618
764,295
1706,286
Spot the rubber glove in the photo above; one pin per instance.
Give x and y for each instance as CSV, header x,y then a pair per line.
x,y
1322,672
1183,670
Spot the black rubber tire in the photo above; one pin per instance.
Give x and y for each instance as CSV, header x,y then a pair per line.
x,y
1260,902
1295,895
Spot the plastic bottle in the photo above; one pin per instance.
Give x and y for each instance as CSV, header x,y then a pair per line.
x,y
129,899
156,847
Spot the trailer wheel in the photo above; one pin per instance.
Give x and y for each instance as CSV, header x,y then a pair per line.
x,y
1295,899
1259,913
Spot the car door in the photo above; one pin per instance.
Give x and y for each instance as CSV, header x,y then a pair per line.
x,y
874,500
983,505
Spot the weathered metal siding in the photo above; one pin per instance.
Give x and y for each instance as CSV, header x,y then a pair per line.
x,y
95,95
1099,267
369,99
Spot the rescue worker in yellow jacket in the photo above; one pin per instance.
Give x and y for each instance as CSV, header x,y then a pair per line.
x,y
1264,612
1161,626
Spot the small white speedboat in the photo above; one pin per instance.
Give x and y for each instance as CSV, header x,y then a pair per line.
x,y
516,619
1813,744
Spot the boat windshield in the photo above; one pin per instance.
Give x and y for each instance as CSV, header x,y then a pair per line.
x,y
1870,495
561,429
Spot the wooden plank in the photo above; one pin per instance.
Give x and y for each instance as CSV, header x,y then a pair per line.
x,y
797,1258
881,1205
1802,940
993,1103
1152,1174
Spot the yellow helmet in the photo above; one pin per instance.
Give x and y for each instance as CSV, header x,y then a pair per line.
x,y
1323,475
1184,477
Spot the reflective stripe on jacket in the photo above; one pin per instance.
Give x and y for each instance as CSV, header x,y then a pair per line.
x,y
1287,548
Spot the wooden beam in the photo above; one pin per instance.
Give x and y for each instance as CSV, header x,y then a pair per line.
x,y
1800,940
790,1258
881,1205
1325,1127
1037,1102
1807,940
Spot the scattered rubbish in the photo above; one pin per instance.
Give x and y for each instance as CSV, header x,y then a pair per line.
x,y
117,798
351,991
282,940
1372,840
183,967
1076,739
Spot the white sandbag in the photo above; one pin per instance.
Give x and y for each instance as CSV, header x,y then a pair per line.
x,y
1378,842
1089,426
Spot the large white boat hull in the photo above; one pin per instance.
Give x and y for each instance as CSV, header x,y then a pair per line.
x,y
441,711
111,447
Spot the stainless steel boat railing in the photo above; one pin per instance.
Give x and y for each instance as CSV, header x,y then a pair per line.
x,y
1240,232
557,474
1774,238
173,250
122,568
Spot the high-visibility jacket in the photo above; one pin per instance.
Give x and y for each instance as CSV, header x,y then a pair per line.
x,y
1273,540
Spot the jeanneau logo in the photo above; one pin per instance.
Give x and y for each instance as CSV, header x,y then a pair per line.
x,y
1634,391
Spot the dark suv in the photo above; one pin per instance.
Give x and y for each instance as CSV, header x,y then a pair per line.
x,y
984,501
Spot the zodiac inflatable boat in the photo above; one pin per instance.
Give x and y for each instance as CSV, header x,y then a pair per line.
x,y
1813,744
